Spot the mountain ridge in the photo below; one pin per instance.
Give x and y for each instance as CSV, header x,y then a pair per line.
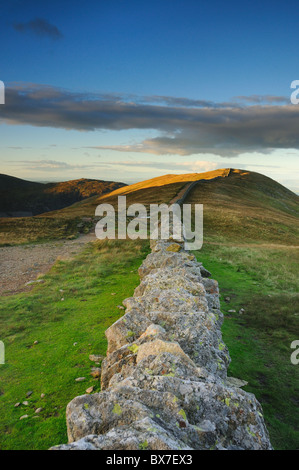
x,y
18,196
240,205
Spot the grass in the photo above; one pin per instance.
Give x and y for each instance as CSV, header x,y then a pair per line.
x,y
16,231
56,225
67,332
264,282
236,204
251,247
248,207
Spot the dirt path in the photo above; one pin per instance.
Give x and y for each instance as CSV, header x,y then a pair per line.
x,y
183,193
21,264
24,263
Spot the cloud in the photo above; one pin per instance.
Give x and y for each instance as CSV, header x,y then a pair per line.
x,y
13,147
187,166
39,27
224,129
50,165
263,99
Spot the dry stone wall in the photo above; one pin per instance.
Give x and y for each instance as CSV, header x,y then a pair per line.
x,y
164,380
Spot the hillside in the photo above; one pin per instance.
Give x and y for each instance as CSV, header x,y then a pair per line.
x,y
25,198
8,183
247,206
250,247
238,205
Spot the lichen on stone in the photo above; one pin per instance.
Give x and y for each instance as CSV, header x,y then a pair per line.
x,y
117,409
176,367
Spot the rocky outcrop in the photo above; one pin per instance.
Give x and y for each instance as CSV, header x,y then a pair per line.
x,y
164,380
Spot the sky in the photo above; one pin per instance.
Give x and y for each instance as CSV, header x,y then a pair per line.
x,y
127,90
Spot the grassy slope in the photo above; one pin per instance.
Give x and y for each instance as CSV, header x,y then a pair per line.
x,y
63,223
67,332
251,246
264,282
248,206
250,238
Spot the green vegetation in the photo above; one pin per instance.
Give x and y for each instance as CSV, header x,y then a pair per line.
x,y
16,231
247,207
59,224
263,282
238,205
251,235
67,331
258,340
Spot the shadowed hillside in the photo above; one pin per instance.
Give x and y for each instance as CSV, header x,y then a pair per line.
x,y
20,197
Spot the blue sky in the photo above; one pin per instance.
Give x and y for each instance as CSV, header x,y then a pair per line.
x,y
128,90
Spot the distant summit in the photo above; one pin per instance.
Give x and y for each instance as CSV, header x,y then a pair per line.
x,y
21,198
238,204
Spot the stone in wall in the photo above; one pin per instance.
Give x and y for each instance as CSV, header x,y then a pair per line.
x,y
164,380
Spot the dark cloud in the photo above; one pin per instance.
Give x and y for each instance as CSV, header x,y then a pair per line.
x,y
40,27
225,130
